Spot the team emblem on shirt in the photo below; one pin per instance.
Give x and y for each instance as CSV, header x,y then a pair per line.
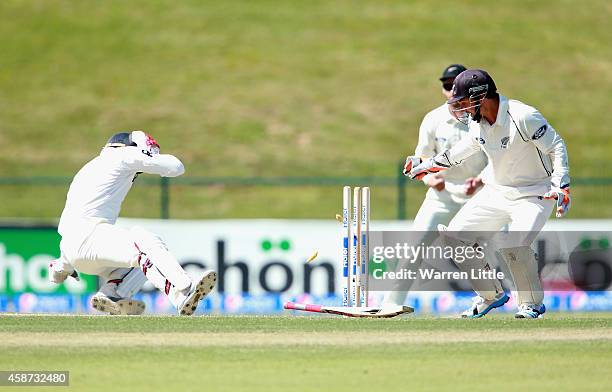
x,y
504,142
540,132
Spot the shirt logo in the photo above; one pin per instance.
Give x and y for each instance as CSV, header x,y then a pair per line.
x,y
504,142
540,132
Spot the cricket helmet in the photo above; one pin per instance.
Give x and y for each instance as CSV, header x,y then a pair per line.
x,y
452,71
134,139
474,84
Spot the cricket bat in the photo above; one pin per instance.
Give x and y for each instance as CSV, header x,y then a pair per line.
x,y
355,311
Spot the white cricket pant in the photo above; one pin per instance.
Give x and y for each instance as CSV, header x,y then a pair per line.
x,y
488,211
437,208
109,248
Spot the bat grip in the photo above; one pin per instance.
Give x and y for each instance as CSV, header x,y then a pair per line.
x,y
305,307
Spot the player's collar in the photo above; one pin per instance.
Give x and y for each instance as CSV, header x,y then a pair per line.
x,y
502,111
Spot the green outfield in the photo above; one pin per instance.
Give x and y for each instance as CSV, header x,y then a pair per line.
x,y
291,88
563,352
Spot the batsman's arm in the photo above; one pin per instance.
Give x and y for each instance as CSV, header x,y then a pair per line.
x,y
165,165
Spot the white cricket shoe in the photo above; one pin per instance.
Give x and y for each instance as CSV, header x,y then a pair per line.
x,y
197,292
529,311
481,306
116,305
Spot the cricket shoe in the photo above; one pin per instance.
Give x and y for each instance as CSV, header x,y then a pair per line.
x,y
528,311
198,292
116,305
481,306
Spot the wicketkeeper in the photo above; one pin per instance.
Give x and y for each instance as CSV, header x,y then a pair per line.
x,y
527,172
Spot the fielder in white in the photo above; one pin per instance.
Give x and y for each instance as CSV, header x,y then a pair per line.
x,y
124,259
448,190
528,168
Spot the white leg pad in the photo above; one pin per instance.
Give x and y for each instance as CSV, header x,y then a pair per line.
x,y
131,283
523,266
395,297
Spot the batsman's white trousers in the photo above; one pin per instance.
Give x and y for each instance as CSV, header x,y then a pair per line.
x,y
101,249
104,247
437,208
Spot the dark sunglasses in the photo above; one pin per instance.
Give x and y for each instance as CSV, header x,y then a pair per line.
x,y
448,86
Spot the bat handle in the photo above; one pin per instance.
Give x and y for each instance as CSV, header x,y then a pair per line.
x,y
304,307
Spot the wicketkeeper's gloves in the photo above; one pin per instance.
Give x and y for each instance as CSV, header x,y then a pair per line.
x,y
431,165
563,198
411,162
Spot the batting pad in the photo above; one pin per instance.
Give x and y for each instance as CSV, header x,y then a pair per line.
x,y
131,284
523,266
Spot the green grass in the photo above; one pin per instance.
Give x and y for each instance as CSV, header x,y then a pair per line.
x,y
268,88
204,360
164,324
477,367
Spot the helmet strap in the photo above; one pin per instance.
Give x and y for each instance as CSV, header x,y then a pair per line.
x,y
477,116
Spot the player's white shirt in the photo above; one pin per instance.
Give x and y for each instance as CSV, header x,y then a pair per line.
x,y
440,131
526,155
99,188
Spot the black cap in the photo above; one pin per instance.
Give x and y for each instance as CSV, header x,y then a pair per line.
x,y
452,71
472,82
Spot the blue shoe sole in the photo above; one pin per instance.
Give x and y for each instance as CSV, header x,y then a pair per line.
x,y
500,302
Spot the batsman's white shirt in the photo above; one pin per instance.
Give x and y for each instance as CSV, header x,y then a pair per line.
x,y
440,131
99,188
526,155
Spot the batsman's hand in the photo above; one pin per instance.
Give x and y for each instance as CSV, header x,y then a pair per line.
x,y
563,198
428,166
411,162
59,271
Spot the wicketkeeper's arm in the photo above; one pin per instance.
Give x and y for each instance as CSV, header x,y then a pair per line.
x,y
458,153
548,141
